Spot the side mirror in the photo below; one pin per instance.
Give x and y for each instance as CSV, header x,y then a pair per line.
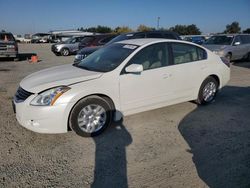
x,y
236,43
134,68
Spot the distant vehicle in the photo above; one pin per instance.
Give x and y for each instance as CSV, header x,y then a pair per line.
x,y
231,46
120,79
133,35
96,40
25,39
40,38
195,39
19,38
8,46
72,45
68,47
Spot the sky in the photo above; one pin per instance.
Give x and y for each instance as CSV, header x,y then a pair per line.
x,y
31,16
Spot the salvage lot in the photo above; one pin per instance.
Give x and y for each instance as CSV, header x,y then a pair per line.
x,y
177,146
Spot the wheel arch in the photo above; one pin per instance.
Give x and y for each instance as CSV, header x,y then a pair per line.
x,y
103,96
216,78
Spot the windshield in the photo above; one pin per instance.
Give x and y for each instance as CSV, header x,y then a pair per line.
x,y
70,40
120,38
220,40
108,58
6,37
87,40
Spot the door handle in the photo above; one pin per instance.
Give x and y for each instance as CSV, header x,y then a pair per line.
x,y
166,76
204,67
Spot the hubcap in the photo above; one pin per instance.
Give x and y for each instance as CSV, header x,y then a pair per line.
x,y
209,91
65,52
92,118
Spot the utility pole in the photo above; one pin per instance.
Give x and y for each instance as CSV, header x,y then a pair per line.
x,y
158,22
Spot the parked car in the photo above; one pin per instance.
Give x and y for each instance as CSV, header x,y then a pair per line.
x,y
120,79
195,39
68,47
231,46
81,54
96,40
8,46
40,38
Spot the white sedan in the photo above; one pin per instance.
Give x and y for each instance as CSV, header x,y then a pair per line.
x,y
121,79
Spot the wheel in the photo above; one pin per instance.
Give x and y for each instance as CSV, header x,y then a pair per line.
x,y
208,91
229,57
90,116
248,57
17,58
65,52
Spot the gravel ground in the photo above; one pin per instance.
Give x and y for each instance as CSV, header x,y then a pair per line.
x,y
178,146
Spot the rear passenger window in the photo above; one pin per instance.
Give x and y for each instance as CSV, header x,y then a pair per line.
x,y
139,36
154,35
169,36
184,53
245,39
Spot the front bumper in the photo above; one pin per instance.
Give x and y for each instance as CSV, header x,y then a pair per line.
x,y
42,119
54,49
8,54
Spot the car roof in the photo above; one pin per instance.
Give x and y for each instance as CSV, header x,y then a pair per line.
x,y
144,41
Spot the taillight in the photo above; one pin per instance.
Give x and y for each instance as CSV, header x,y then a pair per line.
x,y
225,61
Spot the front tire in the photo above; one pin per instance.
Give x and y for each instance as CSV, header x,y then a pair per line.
x,y
90,116
208,91
65,52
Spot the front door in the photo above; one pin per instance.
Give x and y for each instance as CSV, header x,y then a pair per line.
x,y
139,92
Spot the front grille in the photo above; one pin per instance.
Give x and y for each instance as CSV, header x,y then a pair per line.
x,y
21,95
3,47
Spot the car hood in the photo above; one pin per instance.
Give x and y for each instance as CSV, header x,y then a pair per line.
x,y
57,76
213,47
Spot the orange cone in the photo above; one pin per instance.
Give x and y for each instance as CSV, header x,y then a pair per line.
x,y
34,59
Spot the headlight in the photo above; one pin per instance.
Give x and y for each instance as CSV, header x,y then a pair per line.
x,y
220,53
10,46
80,57
49,97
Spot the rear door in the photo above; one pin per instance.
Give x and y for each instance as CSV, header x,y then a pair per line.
x,y
189,69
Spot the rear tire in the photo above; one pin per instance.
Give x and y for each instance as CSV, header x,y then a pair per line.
x,y
248,57
90,116
208,91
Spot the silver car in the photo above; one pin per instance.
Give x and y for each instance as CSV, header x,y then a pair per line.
x,y
231,46
68,47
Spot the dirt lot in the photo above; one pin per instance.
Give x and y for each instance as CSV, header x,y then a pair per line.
x,y
178,146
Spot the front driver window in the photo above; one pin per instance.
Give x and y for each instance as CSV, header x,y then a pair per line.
x,y
151,57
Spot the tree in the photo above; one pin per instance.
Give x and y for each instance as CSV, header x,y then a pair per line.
x,y
3,30
123,29
233,28
247,30
142,27
186,29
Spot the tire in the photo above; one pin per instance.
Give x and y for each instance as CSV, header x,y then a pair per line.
x,y
229,57
248,57
64,52
208,91
17,58
94,114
